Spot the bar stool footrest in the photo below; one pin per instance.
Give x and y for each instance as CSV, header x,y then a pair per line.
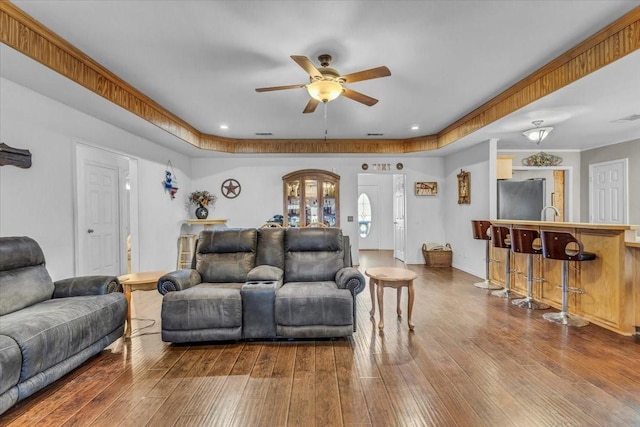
x,y
504,293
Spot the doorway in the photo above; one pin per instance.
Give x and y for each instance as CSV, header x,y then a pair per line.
x,y
559,188
104,238
386,194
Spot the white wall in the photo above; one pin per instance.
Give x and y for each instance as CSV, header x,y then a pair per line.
x,y
468,253
261,196
39,201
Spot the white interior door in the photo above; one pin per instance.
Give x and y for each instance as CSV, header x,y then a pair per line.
x,y
100,242
608,192
399,221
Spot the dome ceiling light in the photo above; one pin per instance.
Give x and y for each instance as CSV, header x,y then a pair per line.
x,y
538,133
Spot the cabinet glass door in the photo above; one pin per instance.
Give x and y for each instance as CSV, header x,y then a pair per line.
x,y
310,201
293,203
329,203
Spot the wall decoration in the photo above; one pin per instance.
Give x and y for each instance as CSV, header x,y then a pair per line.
x,y
426,188
170,182
542,159
464,188
14,156
381,167
399,166
230,188
202,199
365,166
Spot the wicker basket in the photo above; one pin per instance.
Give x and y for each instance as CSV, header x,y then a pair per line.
x,y
437,258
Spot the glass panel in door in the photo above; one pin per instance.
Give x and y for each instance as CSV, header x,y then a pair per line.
x,y
311,213
293,204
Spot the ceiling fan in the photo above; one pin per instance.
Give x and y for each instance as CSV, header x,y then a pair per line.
x,y
326,84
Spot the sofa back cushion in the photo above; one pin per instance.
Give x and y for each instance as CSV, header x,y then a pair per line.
x,y
271,247
226,256
313,254
24,279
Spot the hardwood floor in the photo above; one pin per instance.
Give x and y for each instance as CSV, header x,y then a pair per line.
x,y
473,360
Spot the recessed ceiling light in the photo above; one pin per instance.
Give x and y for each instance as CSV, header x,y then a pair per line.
x,y
415,127
224,126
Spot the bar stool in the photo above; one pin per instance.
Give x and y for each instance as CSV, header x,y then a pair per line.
x,y
527,242
186,246
500,239
554,246
481,232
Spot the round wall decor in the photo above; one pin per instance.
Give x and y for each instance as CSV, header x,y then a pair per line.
x,y
230,188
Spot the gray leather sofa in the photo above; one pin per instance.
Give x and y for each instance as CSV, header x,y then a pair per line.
x,y
263,283
49,328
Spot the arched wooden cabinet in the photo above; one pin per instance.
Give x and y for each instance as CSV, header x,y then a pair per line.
x,y
311,196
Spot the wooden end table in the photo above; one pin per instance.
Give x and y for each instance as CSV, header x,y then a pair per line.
x,y
144,281
391,277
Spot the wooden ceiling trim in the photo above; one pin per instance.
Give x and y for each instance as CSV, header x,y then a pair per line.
x,y
616,40
28,36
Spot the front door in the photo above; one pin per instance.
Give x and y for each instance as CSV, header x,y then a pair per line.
x,y
608,192
399,230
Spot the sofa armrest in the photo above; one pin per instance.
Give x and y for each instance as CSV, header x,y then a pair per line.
x,y
86,285
350,278
178,280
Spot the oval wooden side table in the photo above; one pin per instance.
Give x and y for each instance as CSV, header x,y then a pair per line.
x,y
390,277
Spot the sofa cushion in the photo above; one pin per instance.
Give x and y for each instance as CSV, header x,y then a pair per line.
x,y
271,247
10,363
24,280
313,303
226,255
203,306
313,254
54,330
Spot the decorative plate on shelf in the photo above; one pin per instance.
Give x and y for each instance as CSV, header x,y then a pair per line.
x,y
542,159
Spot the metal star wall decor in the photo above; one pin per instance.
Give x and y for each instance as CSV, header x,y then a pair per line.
x,y
230,188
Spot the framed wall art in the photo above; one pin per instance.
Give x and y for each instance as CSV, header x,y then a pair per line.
x,y
464,188
426,188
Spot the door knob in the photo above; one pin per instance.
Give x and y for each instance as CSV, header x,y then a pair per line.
x,y
90,230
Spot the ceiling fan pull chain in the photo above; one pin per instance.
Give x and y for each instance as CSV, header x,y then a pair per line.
x,y
325,121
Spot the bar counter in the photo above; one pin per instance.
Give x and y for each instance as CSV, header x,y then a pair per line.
x,y
609,286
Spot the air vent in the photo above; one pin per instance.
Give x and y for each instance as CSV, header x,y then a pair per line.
x,y
264,133
628,118
375,134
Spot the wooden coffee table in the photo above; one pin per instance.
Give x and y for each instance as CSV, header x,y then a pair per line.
x,y
391,277
144,281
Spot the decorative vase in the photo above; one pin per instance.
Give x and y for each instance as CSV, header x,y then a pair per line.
x,y
202,212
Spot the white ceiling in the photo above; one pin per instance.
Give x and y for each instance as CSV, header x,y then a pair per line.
x,y
202,61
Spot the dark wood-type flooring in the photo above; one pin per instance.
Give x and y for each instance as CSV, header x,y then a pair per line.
x,y
473,360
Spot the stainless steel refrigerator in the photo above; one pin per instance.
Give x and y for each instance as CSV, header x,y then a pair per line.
x,y
521,200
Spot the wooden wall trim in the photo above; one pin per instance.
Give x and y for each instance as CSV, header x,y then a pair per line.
x,y
23,33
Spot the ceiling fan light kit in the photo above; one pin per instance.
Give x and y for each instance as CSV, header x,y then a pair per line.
x,y
324,90
325,84
538,133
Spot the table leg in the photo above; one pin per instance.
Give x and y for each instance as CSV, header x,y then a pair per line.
x,y
372,290
127,295
399,297
410,305
380,292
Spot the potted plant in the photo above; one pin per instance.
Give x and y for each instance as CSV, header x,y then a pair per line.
x,y
201,199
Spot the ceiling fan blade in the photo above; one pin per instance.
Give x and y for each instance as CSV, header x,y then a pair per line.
x,y
307,65
268,89
311,106
360,97
373,73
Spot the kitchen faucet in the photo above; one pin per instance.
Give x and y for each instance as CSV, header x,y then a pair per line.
x,y
542,212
